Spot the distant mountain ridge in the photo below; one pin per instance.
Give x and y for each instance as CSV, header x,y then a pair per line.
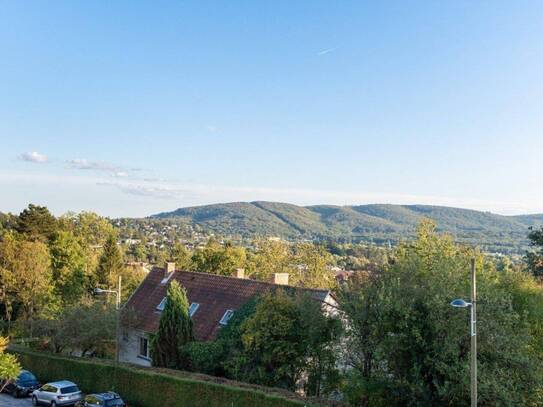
x,y
376,223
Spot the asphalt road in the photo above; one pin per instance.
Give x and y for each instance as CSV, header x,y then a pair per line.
x,y
8,401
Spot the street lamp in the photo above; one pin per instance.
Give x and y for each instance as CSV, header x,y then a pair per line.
x,y
99,291
460,303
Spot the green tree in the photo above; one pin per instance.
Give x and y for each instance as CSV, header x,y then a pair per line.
x,y
408,346
92,231
322,334
181,256
8,252
174,330
25,277
313,267
139,252
87,327
219,259
68,264
36,223
111,263
534,258
273,346
9,366
268,258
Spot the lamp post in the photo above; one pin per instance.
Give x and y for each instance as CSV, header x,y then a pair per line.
x,y
117,293
459,303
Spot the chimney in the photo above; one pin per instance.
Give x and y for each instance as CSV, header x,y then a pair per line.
x,y
280,278
168,272
240,273
170,267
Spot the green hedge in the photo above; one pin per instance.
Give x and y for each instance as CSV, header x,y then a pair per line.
x,y
145,387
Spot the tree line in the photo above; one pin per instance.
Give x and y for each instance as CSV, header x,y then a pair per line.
x,y
399,341
49,268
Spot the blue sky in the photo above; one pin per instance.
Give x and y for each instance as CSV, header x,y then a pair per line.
x,y
130,108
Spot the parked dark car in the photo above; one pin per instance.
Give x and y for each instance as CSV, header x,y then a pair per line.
x,y
109,399
25,384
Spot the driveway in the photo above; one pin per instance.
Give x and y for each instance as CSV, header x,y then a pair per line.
x,y
8,401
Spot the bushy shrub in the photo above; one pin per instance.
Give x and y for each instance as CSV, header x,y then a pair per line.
x,y
205,357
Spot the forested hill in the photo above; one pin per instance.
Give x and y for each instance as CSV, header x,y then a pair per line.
x,y
373,223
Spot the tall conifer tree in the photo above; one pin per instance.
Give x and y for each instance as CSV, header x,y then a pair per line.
x,y
174,331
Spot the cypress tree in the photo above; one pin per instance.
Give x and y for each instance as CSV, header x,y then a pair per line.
x,y
110,264
174,331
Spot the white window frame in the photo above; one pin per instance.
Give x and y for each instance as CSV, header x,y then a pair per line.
x,y
228,314
140,340
161,305
193,308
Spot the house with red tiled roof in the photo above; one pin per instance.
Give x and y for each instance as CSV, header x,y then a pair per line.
x,y
213,301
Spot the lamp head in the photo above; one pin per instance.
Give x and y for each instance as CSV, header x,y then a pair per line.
x,y
460,303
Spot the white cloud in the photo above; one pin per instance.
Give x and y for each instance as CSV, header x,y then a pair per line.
x,y
120,174
34,157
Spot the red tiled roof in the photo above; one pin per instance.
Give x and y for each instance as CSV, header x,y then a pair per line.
x,y
214,293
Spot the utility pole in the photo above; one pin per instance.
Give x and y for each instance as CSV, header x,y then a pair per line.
x,y
117,320
473,335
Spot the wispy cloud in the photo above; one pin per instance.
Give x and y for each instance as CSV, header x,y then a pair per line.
x,y
84,164
120,174
326,51
33,157
149,190
161,195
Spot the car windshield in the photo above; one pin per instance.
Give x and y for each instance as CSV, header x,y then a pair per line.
x,y
27,377
69,389
114,402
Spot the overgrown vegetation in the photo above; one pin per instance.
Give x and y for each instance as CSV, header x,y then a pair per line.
x,y
280,340
407,346
48,269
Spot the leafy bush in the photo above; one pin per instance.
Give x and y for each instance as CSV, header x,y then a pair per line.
x,y
205,357
146,387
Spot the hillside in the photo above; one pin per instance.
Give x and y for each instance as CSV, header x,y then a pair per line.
x,y
377,223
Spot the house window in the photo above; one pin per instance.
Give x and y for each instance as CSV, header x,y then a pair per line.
x,y
160,307
144,348
192,309
226,317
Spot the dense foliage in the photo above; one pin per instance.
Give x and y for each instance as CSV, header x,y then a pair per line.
x,y
278,340
407,346
49,268
534,258
9,366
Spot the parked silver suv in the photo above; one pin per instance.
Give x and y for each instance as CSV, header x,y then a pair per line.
x,y
62,393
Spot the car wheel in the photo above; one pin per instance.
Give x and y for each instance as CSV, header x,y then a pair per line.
x,y
34,401
53,404
16,394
